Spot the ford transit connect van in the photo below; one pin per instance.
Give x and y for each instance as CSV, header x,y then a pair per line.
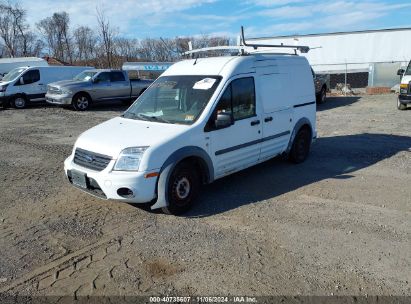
x,y
203,119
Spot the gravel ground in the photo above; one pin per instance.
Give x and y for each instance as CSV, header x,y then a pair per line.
x,y
338,224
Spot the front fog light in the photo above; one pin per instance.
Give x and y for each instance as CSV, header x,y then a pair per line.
x,y
129,159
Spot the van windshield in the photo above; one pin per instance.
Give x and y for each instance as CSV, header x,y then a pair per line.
x,y
84,76
174,99
408,70
13,74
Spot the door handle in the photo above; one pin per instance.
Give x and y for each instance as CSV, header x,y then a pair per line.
x,y
40,84
255,122
267,119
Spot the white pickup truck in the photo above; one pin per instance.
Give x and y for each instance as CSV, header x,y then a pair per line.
x,y
404,98
94,86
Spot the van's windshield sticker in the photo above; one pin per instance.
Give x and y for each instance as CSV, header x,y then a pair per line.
x,y
204,84
189,118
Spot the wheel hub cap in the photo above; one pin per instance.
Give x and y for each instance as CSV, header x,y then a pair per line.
x,y
82,102
19,102
182,188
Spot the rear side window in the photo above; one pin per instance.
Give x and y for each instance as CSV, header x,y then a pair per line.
x,y
117,76
239,99
31,76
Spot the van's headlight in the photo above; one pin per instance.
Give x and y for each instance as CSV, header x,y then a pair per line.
x,y
3,88
129,159
403,88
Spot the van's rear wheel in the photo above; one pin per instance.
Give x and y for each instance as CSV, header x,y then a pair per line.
x,y
401,106
81,102
19,102
183,188
301,146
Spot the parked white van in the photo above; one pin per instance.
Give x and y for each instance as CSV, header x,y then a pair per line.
x,y
202,119
29,84
404,96
8,64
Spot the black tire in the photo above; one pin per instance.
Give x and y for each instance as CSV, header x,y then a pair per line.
x,y
183,188
322,96
81,102
401,106
19,102
301,146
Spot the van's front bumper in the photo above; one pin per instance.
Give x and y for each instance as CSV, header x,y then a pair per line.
x,y
61,99
108,184
404,99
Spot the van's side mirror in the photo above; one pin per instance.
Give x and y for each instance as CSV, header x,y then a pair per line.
x,y
95,80
224,120
21,80
400,72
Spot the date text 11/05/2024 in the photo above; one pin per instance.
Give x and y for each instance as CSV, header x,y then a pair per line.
x,y
205,299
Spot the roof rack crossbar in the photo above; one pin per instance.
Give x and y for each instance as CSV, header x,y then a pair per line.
x,y
215,48
243,45
301,48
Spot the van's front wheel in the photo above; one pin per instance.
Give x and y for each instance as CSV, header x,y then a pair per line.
x,y
19,102
183,188
301,146
81,102
400,106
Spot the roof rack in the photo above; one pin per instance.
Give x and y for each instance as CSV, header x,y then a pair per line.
x,y
301,48
243,45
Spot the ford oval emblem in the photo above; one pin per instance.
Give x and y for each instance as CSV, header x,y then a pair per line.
x,y
88,158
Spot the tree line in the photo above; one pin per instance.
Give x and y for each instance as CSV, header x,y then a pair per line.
x,y
101,46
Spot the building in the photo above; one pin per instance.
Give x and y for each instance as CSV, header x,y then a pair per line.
x,y
368,58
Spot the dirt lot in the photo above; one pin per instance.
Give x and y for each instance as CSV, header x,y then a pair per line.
x,y
340,223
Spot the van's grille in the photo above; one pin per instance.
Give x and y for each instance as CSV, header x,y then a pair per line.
x,y
91,160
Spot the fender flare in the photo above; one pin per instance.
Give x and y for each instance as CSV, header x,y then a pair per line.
x,y
170,164
301,122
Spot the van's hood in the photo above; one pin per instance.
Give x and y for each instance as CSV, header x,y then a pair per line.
x,y
68,83
5,82
114,135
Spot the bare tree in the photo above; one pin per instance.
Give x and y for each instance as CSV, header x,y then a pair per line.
x,y
86,42
17,38
55,30
106,34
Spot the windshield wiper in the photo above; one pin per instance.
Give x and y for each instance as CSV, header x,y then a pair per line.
x,y
153,118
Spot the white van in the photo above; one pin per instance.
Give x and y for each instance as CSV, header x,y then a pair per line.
x,y
404,97
8,64
202,119
29,84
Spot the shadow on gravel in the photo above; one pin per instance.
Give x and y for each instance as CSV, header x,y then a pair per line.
x,y
336,102
331,157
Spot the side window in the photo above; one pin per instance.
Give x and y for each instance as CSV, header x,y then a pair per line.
x,y
243,98
238,99
225,105
103,77
117,76
31,76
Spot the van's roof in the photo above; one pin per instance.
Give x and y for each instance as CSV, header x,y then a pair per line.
x,y
225,65
20,59
105,70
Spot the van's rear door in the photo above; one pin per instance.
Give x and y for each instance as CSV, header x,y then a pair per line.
x,y
274,94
